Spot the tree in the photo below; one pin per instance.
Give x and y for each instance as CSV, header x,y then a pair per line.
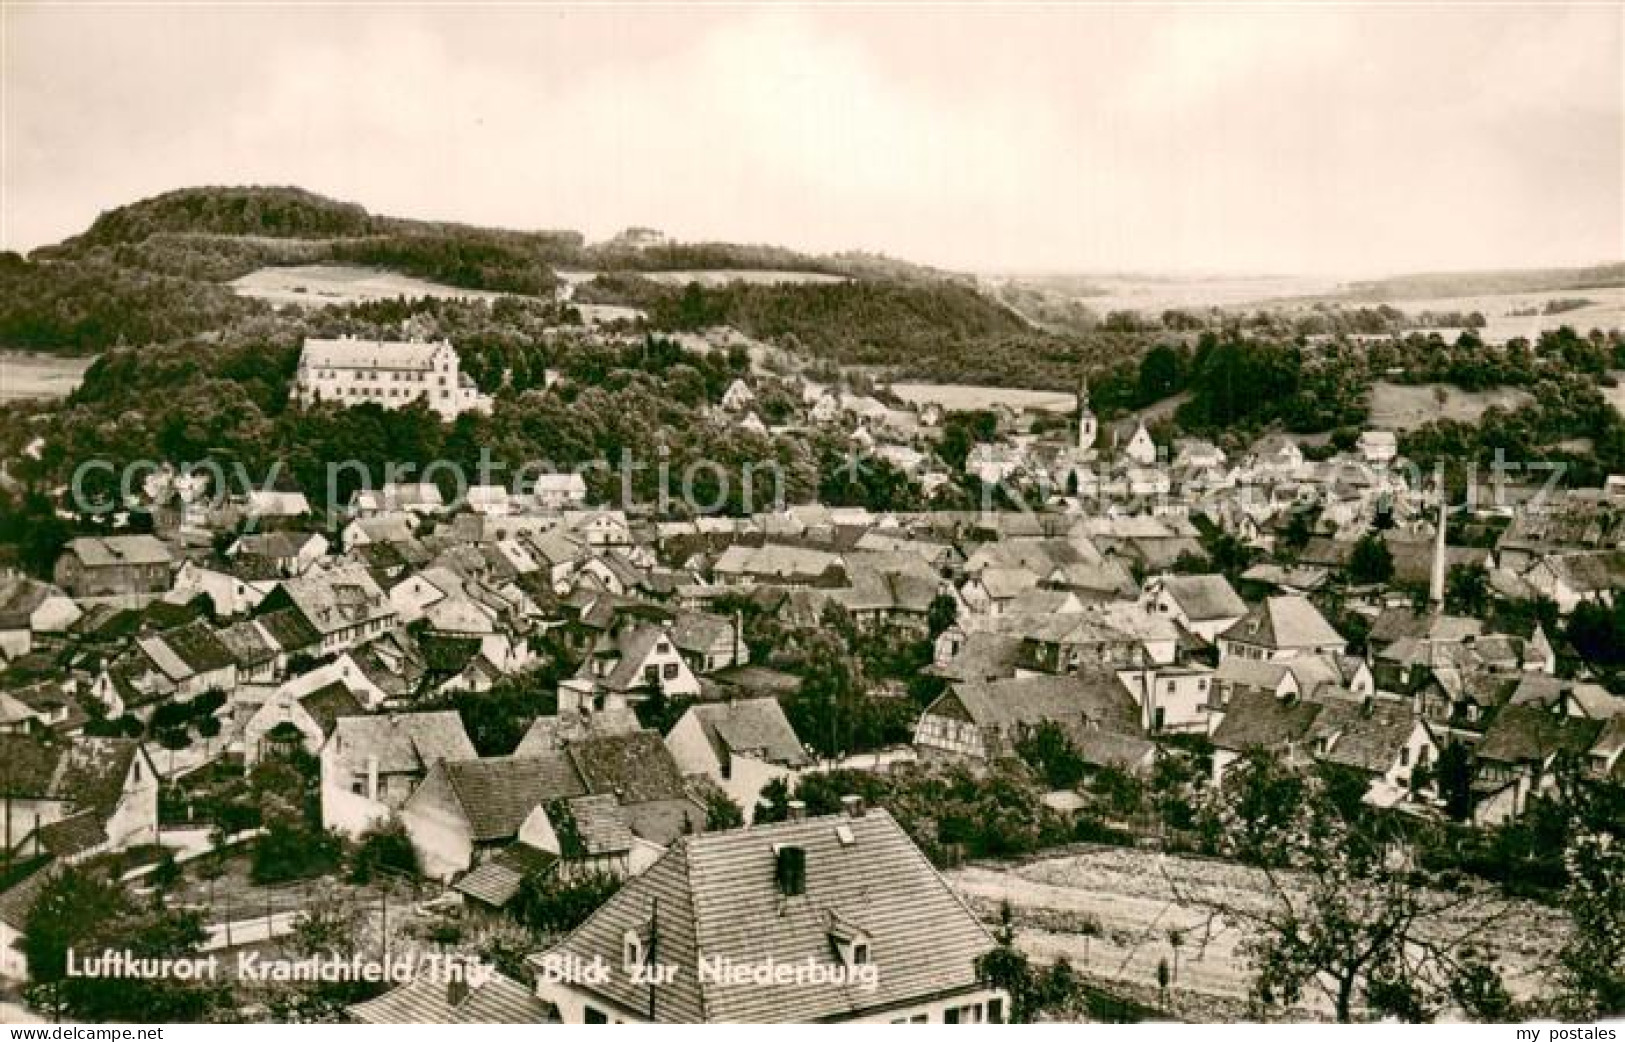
x,y
544,903
1371,562
82,910
1591,967
942,613
1049,750
1343,911
1006,966
384,846
721,812
1467,590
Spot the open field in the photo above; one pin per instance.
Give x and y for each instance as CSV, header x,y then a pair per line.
x,y
1129,897
39,376
721,277
955,397
317,285
1403,407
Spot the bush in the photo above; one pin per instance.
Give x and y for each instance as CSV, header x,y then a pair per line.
x,y
384,846
287,852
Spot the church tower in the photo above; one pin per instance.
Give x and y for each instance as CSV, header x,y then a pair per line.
x,y
1088,427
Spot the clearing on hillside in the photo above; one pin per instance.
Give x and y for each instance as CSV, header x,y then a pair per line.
x,y
317,285
1403,407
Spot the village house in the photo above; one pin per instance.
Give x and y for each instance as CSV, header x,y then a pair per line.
x,y
294,719
851,893
740,745
1281,628
285,554
71,798
629,666
986,720
31,610
371,764
1206,605
99,566
344,606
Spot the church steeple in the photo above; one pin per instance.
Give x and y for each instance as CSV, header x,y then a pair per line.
x,y
1088,428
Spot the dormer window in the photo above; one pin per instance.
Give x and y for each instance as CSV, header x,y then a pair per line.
x,y
632,951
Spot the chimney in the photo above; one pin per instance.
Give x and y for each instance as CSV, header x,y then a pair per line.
x,y
852,803
1437,575
798,810
456,989
372,777
790,870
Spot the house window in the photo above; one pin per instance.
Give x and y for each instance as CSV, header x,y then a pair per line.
x,y
651,674
995,1011
1405,756
670,671
860,954
594,1016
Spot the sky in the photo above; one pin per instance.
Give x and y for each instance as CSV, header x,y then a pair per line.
x,y
1309,139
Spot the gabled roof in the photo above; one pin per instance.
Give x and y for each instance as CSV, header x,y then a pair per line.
x,y
497,1000
715,895
1365,736
1259,720
755,727
1284,622
550,734
1096,699
1532,733
601,825
402,742
87,772
636,766
326,704
497,793
104,551
1204,597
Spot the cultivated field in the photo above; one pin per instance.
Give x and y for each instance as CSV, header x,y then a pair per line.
x,y
956,397
39,376
1127,897
723,276
317,285
1403,407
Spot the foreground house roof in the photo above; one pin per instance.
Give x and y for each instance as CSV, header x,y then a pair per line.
x,y
717,896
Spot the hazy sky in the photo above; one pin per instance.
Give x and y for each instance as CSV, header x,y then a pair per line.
x,y
1283,139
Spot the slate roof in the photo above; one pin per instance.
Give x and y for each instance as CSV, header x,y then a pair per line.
x,y
754,726
195,645
1099,699
717,896
404,743
497,793
423,1000
1531,733
1259,720
326,704
601,824
1204,597
17,903
104,551
1284,622
20,597
636,765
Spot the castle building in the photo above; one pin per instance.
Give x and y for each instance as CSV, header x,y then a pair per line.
x,y
392,374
